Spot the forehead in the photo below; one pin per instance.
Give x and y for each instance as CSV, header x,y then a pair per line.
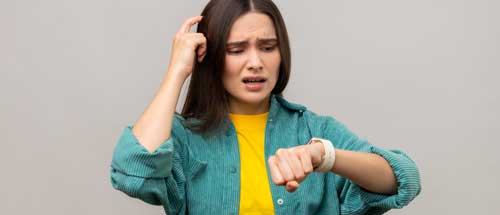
x,y
250,26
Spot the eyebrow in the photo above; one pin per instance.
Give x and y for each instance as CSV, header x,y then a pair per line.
x,y
259,41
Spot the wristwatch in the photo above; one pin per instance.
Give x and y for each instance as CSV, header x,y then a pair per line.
x,y
328,158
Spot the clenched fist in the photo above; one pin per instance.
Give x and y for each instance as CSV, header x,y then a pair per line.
x,y
291,166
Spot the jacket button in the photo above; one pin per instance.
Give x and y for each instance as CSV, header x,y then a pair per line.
x,y
233,170
280,201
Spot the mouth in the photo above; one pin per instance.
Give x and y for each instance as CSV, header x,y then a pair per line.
x,y
254,83
251,80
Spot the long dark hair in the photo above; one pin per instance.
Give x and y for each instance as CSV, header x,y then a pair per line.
x,y
207,102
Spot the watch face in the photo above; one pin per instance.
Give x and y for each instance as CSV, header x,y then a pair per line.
x,y
317,141
314,141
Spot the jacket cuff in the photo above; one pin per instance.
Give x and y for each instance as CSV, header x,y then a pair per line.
x,y
407,176
132,158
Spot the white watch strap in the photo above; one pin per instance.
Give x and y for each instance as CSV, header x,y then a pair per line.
x,y
328,159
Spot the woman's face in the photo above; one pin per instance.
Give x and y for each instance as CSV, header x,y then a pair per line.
x,y
252,62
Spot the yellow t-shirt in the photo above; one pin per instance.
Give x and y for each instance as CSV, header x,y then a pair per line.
x,y
255,193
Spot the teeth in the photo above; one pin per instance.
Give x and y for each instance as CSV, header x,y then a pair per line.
x,y
253,81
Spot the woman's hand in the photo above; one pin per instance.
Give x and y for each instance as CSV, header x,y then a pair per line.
x,y
186,46
291,166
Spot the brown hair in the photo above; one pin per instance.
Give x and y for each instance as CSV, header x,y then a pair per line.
x,y
207,100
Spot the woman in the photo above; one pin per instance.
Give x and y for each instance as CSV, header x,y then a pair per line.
x,y
239,147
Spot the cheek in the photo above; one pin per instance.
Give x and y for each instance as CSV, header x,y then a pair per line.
x,y
230,65
277,59
273,62
232,68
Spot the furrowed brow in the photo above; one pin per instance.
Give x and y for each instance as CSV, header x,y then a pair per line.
x,y
237,43
267,41
259,41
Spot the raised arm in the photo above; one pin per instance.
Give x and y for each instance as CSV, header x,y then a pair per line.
x,y
154,125
151,161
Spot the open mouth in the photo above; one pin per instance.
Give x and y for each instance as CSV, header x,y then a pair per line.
x,y
253,80
254,84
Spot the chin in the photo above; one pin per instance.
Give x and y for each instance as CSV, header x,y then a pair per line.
x,y
252,97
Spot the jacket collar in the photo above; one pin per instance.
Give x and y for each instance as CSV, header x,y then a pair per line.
x,y
278,102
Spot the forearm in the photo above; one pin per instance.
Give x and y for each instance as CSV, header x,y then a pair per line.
x,y
370,171
155,124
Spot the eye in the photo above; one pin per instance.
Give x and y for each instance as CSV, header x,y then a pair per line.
x,y
234,52
268,48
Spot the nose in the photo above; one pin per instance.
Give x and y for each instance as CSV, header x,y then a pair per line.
x,y
254,61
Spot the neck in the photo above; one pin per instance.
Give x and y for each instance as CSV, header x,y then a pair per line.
x,y
238,107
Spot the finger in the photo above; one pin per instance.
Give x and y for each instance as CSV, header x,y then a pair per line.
x,y
198,40
295,164
283,165
202,49
186,26
292,186
276,176
200,57
306,161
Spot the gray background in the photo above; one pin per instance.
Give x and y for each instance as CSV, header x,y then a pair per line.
x,y
421,76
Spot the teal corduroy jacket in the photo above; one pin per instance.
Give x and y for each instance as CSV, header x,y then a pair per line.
x,y
194,174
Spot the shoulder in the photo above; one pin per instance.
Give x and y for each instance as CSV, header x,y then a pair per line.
x,y
305,111
292,106
314,119
321,123
180,126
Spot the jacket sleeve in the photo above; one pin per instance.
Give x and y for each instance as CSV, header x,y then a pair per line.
x,y
157,178
356,200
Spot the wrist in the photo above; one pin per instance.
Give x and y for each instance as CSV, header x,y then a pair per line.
x,y
328,155
179,72
175,77
319,146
